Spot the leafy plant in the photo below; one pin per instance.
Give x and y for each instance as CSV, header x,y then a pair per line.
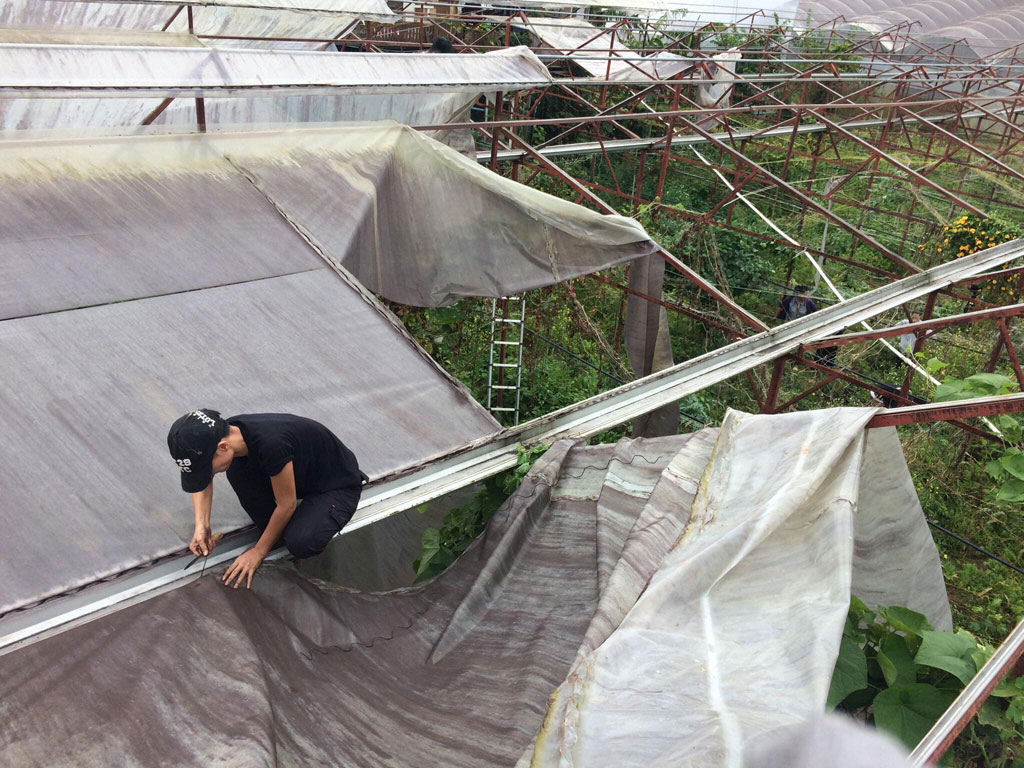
x,y
1007,465
441,547
895,670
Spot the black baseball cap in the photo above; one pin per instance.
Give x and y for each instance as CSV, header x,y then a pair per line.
x,y
192,440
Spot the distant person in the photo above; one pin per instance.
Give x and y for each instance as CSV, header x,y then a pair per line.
x,y
909,340
441,45
272,460
796,305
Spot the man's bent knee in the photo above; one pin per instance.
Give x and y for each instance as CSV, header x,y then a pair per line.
x,y
308,545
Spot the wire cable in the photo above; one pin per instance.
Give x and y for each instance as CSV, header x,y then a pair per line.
x,y
974,546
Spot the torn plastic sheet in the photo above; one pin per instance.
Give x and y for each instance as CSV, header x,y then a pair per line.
x,y
682,596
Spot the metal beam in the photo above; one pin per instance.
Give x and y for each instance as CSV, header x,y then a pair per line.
x,y
978,407
924,325
965,706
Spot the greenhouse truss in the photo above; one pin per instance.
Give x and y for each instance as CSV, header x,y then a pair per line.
x,y
128,129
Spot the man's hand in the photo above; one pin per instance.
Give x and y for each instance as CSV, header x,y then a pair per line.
x,y
202,542
244,567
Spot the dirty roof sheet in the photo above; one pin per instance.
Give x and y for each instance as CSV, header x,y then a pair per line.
x,y
141,277
63,70
423,105
681,595
239,22
88,395
92,224
466,231
414,220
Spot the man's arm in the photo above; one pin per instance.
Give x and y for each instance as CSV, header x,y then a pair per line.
x,y
246,564
202,539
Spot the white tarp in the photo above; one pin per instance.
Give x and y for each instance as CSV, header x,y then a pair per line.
x,y
737,631
425,96
239,21
601,53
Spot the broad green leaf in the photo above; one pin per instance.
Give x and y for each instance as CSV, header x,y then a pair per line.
x,y
431,548
860,610
889,671
908,711
1012,489
850,674
1008,423
988,383
1014,464
948,652
906,620
1008,687
949,390
1015,712
994,468
903,669
991,713
934,364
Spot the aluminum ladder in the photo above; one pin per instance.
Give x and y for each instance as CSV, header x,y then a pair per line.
x,y
506,363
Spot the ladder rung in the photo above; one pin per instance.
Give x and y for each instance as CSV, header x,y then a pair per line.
x,y
505,365
502,386
503,409
508,343
508,320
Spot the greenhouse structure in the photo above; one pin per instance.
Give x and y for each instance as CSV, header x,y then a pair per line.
x,y
256,205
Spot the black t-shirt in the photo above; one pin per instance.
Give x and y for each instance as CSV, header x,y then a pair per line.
x,y
320,461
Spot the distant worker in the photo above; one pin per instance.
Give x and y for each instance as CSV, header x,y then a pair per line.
x,y
909,340
272,460
441,45
796,305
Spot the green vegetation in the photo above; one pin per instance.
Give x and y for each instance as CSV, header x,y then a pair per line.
x,y
441,547
967,484
896,671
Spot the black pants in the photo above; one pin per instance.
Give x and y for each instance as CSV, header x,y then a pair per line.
x,y
315,521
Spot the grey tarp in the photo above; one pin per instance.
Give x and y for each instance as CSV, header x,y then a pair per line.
x,y
688,595
648,343
143,277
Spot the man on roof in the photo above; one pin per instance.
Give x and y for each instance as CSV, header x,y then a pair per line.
x,y
294,478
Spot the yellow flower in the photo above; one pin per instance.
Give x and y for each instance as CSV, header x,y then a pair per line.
x,y
971,230
939,249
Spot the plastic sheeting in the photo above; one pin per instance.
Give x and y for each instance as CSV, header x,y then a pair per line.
x,y
601,53
144,277
989,26
408,88
466,231
684,595
238,21
69,70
